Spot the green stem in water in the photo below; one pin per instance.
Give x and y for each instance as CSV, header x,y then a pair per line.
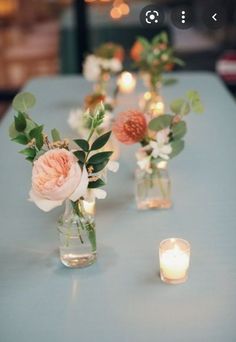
x,y
162,188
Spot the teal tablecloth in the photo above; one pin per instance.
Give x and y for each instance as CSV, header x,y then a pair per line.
x,y
121,297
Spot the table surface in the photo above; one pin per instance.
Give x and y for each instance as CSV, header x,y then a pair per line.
x,y
121,298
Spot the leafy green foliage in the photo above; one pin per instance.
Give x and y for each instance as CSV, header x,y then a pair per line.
x,y
97,167
180,107
30,153
21,139
97,184
82,143
179,130
80,155
20,122
101,141
161,122
36,133
55,135
100,157
23,101
177,147
195,101
169,81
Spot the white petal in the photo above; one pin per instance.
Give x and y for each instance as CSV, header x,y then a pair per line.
x,y
82,187
167,149
100,194
113,166
42,203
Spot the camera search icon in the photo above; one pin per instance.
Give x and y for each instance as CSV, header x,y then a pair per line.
x,y
151,16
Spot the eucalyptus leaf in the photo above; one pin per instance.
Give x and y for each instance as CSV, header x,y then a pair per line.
x,y
97,184
20,122
12,131
180,106
179,130
92,237
30,125
82,144
23,101
100,157
161,122
101,141
55,135
177,147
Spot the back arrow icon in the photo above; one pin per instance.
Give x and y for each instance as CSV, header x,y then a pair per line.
x,y
214,16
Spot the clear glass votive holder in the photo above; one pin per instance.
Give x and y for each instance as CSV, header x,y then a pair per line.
x,y
174,258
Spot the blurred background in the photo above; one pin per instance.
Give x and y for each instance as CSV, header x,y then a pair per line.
x,y
50,37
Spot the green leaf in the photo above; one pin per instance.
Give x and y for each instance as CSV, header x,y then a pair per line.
x,y
30,159
180,106
21,139
80,155
92,235
30,125
82,144
101,141
144,42
100,157
198,107
179,61
161,122
36,133
23,101
12,131
98,167
20,122
97,184
169,81
29,152
177,147
55,135
179,130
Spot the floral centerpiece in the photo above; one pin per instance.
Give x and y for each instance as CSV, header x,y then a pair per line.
x,y
161,139
64,175
100,66
154,58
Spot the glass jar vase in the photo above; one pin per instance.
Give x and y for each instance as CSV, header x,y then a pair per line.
x,y
153,190
77,236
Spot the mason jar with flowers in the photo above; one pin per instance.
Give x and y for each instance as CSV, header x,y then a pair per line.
x,y
104,63
153,59
161,139
64,175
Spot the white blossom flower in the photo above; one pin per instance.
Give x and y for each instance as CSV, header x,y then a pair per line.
x,y
161,148
113,166
92,194
75,118
115,65
92,68
144,160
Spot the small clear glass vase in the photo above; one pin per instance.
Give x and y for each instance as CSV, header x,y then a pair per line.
x,y
153,190
152,103
77,236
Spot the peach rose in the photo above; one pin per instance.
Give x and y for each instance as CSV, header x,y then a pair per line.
x,y
57,176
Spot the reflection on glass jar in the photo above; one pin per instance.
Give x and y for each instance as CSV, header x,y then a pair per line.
x,y
153,190
77,236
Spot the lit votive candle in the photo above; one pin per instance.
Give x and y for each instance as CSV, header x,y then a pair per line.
x,y
174,256
126,82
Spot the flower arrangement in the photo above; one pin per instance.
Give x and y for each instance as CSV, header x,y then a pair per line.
x,y
105,62
153,58
161,139
60,173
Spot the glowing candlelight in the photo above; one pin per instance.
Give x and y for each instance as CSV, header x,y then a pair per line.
x,y
126,82
174,255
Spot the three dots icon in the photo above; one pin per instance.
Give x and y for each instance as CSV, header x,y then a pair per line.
x,y
183,17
